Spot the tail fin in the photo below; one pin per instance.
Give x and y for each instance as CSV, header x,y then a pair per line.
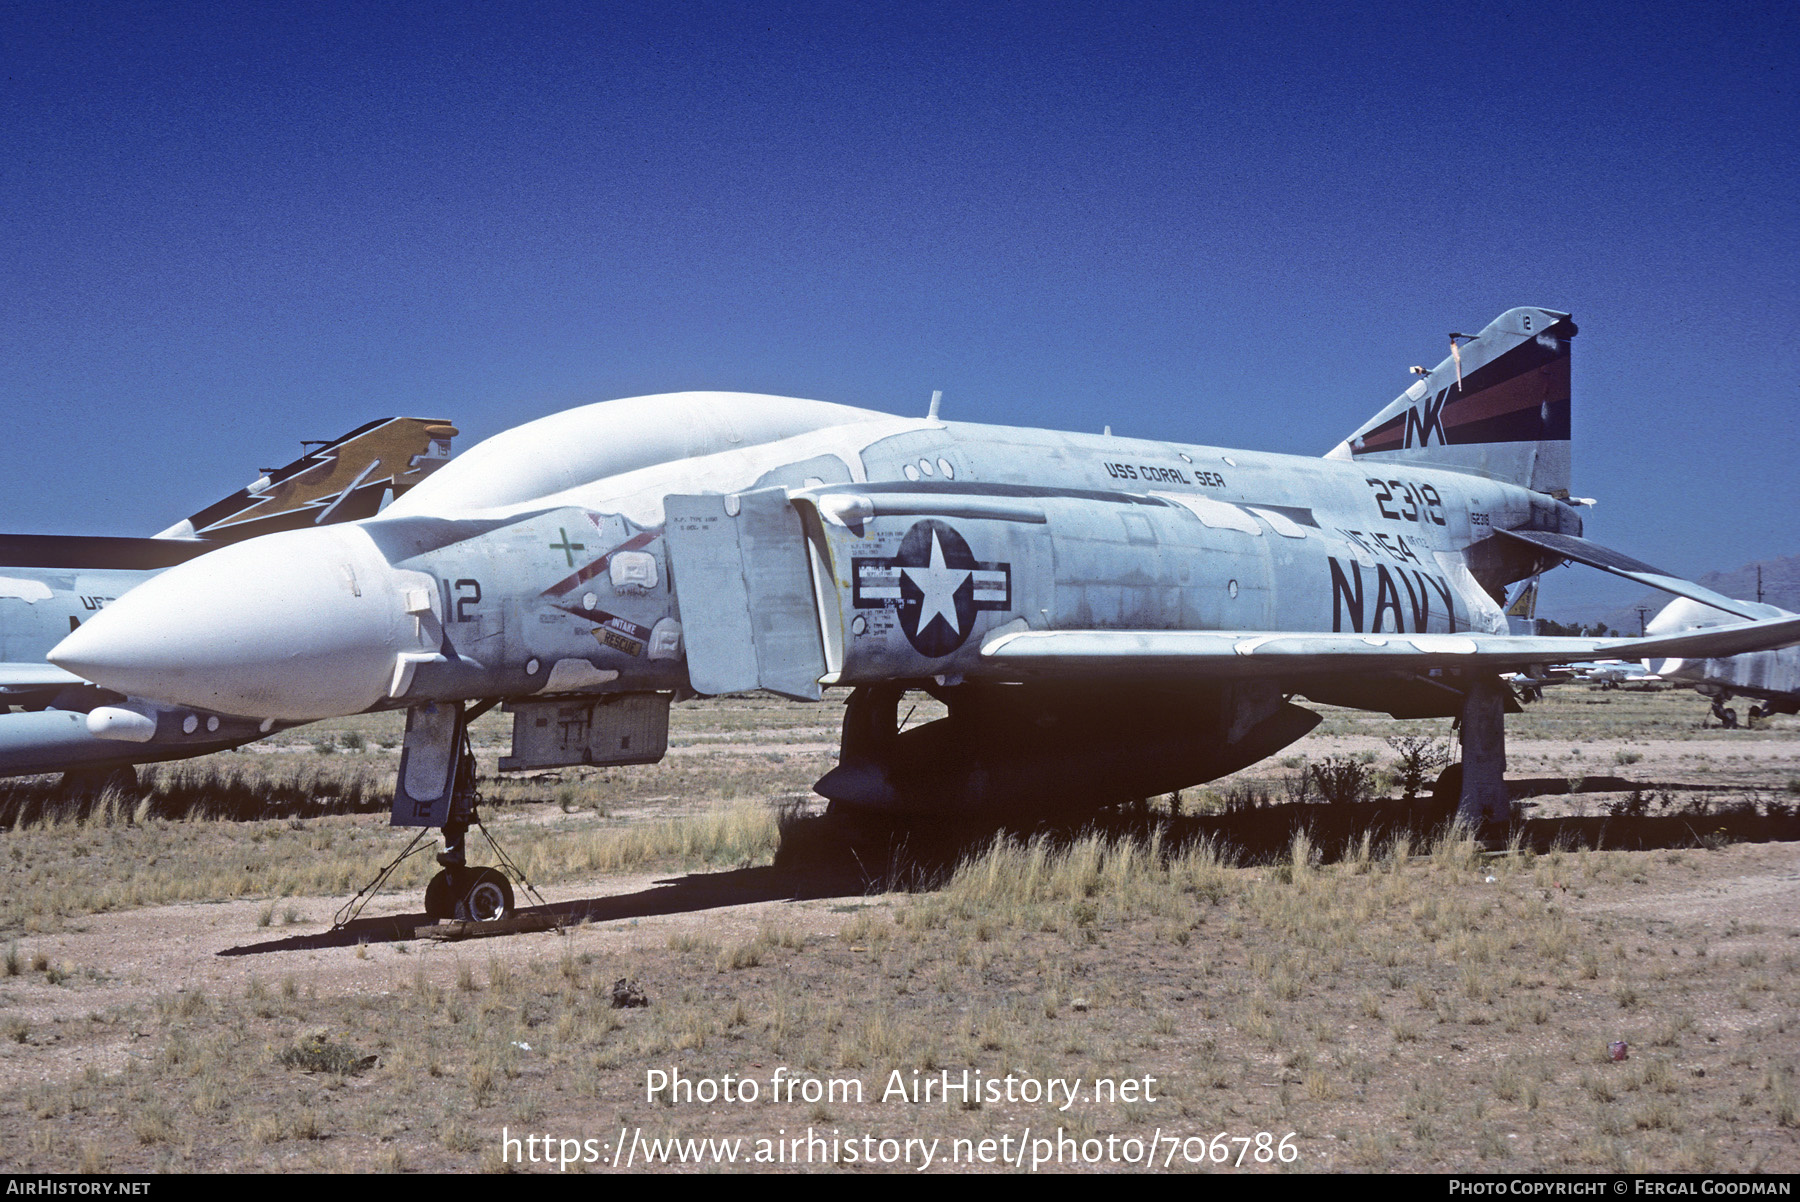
x,y
338,481
1497,407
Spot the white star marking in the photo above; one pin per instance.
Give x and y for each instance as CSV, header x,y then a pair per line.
x,y
938,584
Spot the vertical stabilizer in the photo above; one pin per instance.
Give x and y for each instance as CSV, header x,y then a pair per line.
x,y
1497,406
341,480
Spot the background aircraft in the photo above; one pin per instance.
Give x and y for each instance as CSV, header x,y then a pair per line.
x,y
1521,618
1770,677
1521,614
54,721
1611,673
1105,618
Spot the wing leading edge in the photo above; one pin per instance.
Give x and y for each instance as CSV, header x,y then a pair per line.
x,y
1252,654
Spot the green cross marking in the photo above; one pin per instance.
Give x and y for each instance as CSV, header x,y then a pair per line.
x,y
566,547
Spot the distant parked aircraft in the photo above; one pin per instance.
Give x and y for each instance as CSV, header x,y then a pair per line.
x,y
1771,678
52,720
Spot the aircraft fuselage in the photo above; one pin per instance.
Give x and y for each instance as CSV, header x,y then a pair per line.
x,y
971,528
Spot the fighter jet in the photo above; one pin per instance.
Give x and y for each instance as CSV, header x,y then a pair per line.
x,y
50,584
1106,619
1613,673
1771,678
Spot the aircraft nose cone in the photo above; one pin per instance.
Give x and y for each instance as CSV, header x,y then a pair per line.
x,y
296,626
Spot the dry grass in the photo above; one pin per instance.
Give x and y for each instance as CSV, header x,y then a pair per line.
x,y
54,872
235,787
1383,999
1413,1017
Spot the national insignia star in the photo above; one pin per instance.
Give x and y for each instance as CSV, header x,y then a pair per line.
x,y
937,583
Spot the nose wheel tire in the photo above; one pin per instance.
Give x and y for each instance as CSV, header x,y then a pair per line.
x,y
438,905
487,897
469,895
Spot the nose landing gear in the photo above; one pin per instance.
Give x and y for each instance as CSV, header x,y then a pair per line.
x,y
436,787
469,895
458,891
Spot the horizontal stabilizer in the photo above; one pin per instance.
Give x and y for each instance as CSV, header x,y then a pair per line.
x,y
1265,654
1607,560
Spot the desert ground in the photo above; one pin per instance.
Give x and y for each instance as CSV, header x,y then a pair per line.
x,y
1250,976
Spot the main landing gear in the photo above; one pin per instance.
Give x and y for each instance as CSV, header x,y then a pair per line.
x,y
1760,711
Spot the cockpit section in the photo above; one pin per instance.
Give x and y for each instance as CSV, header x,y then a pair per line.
x,y
567,450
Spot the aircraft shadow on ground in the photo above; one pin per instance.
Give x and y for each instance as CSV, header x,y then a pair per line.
x,y
830,856
921,857
1540,786
677,895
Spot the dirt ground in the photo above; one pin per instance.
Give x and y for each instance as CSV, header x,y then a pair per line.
x,y
1454,1011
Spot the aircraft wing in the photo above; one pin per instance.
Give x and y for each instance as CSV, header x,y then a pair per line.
x,y
1608,560
1253,654
29,678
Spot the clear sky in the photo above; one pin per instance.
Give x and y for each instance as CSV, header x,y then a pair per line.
x,y
231,227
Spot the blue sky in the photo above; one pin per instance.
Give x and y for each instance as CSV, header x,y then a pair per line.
x,y
232,227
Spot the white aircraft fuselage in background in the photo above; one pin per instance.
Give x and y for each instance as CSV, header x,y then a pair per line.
x,y
51,584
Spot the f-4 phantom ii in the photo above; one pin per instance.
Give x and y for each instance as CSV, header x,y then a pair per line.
x,y
1770,678
1104,618
49,584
